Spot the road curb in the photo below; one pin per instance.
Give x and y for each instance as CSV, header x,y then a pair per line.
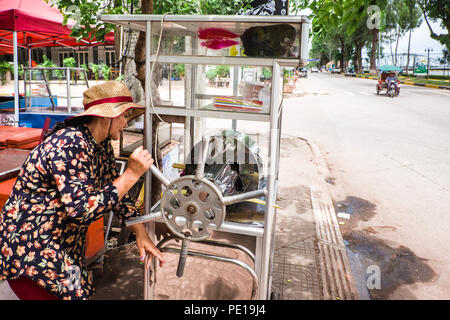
x,y
434,86
336,274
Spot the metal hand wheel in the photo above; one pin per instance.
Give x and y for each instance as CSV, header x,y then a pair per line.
x,y
192,205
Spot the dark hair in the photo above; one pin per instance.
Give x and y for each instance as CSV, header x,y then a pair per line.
x,y
69,122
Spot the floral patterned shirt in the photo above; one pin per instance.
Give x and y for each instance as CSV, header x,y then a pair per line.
x,y
63,186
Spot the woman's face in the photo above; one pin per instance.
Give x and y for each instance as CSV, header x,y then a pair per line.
x,y
118,124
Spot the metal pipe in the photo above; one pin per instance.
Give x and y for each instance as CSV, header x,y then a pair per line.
x,y
148,292
183,256
243,196
48,89
51,68
69,98
230,245
224,259
108,228
159,175
201,163
239,228
271,181
16,79
146,218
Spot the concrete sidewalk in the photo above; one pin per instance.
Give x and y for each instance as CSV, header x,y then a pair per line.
x,y
310,260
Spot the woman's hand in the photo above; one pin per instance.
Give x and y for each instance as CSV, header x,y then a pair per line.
x,y
139,161
145,246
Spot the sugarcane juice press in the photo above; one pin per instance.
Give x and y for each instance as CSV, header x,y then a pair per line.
x,y
212,252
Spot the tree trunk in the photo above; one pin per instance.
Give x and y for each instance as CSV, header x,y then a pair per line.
x,y
342,56
373,52
396,48
139,58
358,57
409,46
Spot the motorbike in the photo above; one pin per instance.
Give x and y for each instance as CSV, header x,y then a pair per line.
x,y
392,90
383,73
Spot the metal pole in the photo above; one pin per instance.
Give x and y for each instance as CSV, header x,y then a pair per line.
x,y
30,74
16,80
428,63
235,91
150,226
271,186
69,102
120,58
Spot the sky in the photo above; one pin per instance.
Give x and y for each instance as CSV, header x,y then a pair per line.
x,y
420,40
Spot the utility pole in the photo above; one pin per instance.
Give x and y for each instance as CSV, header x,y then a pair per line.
x,y
428,61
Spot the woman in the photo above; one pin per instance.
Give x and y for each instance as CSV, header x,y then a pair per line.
x,y
66,183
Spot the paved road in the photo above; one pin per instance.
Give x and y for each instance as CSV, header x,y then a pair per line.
x,y
390,166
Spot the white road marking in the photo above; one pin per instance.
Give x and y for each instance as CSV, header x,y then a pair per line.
x,y
366,93
349,93
443,93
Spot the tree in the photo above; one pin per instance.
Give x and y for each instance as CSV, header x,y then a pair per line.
x,y
414,20
437,11
85,13
329,15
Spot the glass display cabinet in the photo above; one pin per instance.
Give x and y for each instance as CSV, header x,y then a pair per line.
x,y
232,67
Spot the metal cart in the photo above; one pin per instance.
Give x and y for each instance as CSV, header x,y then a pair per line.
x,y
194,110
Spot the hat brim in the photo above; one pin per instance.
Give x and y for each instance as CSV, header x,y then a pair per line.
x,y
113,110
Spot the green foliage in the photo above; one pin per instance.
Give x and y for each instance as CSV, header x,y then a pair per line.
x,y
69,62
85,67
106,71
85,13
5,66
218,71
178,70
47,63
437,11
96,70
211,74
267,73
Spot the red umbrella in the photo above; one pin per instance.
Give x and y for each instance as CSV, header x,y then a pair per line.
x,y
37,25
30,24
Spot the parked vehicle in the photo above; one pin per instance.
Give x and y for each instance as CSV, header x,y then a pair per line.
x,y
350,72
314,69
302,72
336,70
393,86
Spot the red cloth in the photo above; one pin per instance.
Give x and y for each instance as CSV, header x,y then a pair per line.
x,y
27,289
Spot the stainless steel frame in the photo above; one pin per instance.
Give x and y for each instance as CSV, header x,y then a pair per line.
x,y
175,24
28,82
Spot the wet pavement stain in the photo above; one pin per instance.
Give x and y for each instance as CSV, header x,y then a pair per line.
x,y
359,210
398,266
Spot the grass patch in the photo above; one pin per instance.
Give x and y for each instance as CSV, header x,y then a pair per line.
x,y
425,81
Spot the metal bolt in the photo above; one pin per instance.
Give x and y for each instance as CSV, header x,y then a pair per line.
x,y
191,209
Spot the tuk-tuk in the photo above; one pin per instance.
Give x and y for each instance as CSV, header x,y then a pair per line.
x,y
383,73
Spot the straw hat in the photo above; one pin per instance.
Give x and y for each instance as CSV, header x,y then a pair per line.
x,y
109,100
